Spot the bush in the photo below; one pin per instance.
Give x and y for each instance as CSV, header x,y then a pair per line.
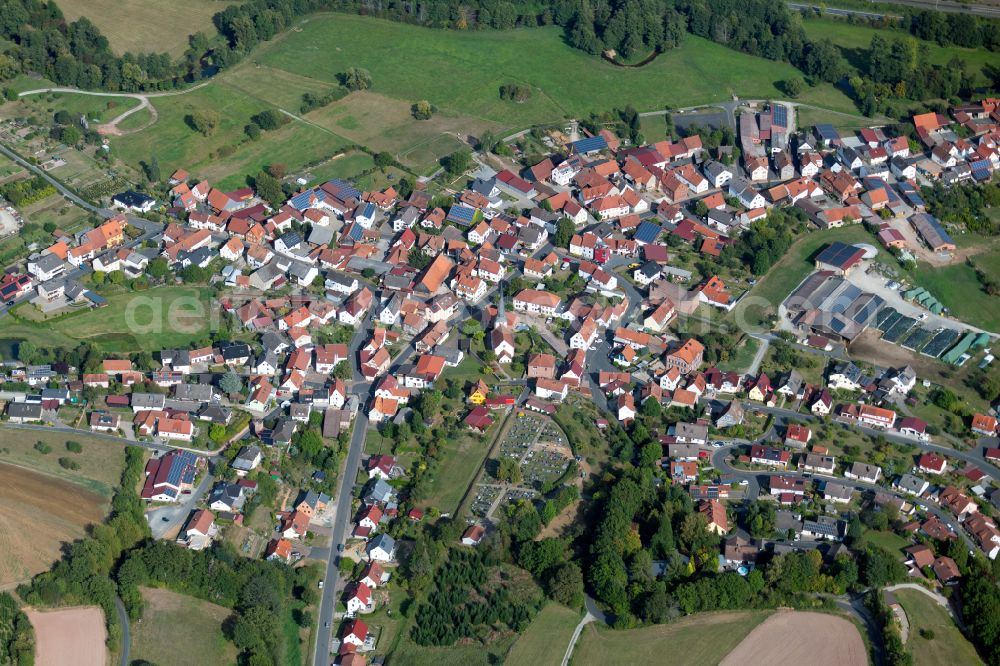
x,y
43,448
271,119
68,463
74,447
515,92
422,110
205,121
355,78
927,634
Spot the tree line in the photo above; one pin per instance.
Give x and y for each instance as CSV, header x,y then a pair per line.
x,y
262,594
84,574
17,639
76,53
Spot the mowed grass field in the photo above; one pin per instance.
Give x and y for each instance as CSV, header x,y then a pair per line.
x,y
38,515
45,105
459,72
959,289
948,646
100,463
181,630
159,318
697,640
144,26
545,641
176,145
459,465
854,41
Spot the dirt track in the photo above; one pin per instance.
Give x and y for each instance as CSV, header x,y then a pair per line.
x,y
69,636
817,639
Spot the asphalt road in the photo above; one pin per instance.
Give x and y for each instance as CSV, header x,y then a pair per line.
x,y
343,515
126,633
754,479
938,5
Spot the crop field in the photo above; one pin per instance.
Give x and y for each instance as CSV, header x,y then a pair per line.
x,y
696,640
38,514
141,26
155,319
854,40
70,636
171,620
796,637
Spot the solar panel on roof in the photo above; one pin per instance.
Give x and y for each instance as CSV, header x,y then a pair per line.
x,y
346,190
302,201
827,132
780,115
647,232
590,144
838,254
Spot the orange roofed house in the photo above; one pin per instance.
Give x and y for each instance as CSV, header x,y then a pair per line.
x,y
687,358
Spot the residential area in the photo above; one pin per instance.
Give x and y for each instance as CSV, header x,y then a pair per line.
x,y
393,384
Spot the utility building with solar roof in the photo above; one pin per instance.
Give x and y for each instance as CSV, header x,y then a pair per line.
x,y
839,258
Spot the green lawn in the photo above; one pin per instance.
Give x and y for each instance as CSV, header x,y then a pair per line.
x,y
806,118
459,72
140,118
948,646
460,462
545,640
96,108
347,166
890,541
181,630
787,273
745,352
160,318
468,372
696,640
854,41
176,145
959,290
462,71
